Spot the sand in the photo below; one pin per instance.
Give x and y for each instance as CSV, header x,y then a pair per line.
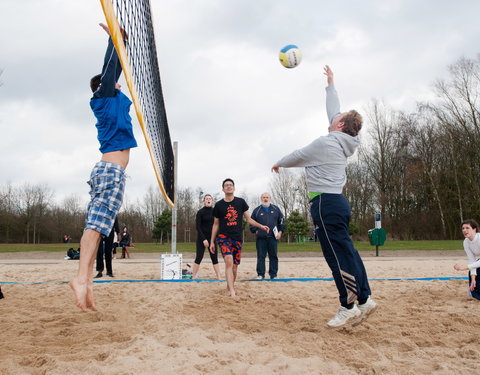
x,y
420,327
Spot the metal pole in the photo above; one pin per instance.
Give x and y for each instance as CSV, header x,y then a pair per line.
x,y
376,253
174,209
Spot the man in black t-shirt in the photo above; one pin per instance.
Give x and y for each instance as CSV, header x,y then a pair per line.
x,y
228,214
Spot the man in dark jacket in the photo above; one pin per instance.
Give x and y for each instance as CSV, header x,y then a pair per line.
x,y
267,243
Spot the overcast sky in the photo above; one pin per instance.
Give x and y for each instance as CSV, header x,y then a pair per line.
x,y
232,107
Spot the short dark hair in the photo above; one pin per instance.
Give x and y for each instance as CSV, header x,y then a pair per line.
x,y
207,195
352,122
226,180
472,223
95,82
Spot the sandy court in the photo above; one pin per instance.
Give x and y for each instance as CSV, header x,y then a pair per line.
x,y
421,327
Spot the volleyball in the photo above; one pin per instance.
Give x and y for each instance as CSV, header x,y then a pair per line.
x,y
290,56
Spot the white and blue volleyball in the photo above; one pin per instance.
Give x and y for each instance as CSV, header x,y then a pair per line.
x,y
290,56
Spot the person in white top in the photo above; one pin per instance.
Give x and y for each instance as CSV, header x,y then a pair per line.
x,y
471,245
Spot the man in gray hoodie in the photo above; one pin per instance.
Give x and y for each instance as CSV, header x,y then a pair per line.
x,y
325,161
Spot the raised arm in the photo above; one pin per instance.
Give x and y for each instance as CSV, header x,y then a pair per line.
x,y
111,69
333,103
329,73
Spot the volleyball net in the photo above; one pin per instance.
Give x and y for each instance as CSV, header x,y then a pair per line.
x,y
138,57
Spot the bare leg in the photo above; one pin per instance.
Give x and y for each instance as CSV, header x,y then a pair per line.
x,y
229,276
195,270
81,284
235,267
216,268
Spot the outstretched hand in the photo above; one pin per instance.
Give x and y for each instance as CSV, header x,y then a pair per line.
x,y
458,267
105,27
329,73
107,30
275,168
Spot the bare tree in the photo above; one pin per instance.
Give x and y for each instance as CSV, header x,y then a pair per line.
x,y
283,188
186,210
153,206
359,191
8,212
301,195
382,156
34,201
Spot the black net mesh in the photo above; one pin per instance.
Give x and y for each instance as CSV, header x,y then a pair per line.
x,y
134,16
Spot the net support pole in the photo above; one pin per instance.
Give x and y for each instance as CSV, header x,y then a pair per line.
x,y
174,209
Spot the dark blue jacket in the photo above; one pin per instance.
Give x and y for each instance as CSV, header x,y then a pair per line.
x,y
270,216
111,107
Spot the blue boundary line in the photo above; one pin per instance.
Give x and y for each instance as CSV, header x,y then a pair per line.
x,y
215,280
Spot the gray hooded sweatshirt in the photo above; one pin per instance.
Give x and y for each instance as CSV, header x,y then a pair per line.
x,y
325,159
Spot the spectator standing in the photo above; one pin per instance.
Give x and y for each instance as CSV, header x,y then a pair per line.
x,y
267,243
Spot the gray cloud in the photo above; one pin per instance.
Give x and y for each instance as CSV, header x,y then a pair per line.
x,y
231,106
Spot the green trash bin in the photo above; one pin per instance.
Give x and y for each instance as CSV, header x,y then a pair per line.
x,y
377,236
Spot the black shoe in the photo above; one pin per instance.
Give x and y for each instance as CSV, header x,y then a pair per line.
x,y
98,275
110,274
273,277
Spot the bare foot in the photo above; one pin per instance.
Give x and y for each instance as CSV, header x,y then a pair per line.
x,y
233,295
90,301
80,292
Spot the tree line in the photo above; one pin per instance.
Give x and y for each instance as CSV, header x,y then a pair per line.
x,y
30,214
420,170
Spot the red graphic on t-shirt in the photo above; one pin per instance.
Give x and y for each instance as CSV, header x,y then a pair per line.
x,y
231,216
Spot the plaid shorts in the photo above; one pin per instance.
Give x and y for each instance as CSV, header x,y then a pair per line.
x,y
107,184
230,247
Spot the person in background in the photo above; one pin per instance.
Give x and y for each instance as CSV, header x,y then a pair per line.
x,y
228,214
471,245
105,250
267,243
125,240
204,223
115,244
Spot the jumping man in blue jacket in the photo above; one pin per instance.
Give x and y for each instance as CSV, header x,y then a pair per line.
x,y
107,179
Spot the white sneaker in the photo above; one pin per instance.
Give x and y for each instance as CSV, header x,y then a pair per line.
x,y
260,277
366,309
343,316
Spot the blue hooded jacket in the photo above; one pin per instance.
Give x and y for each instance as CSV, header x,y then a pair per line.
x,y
111,107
